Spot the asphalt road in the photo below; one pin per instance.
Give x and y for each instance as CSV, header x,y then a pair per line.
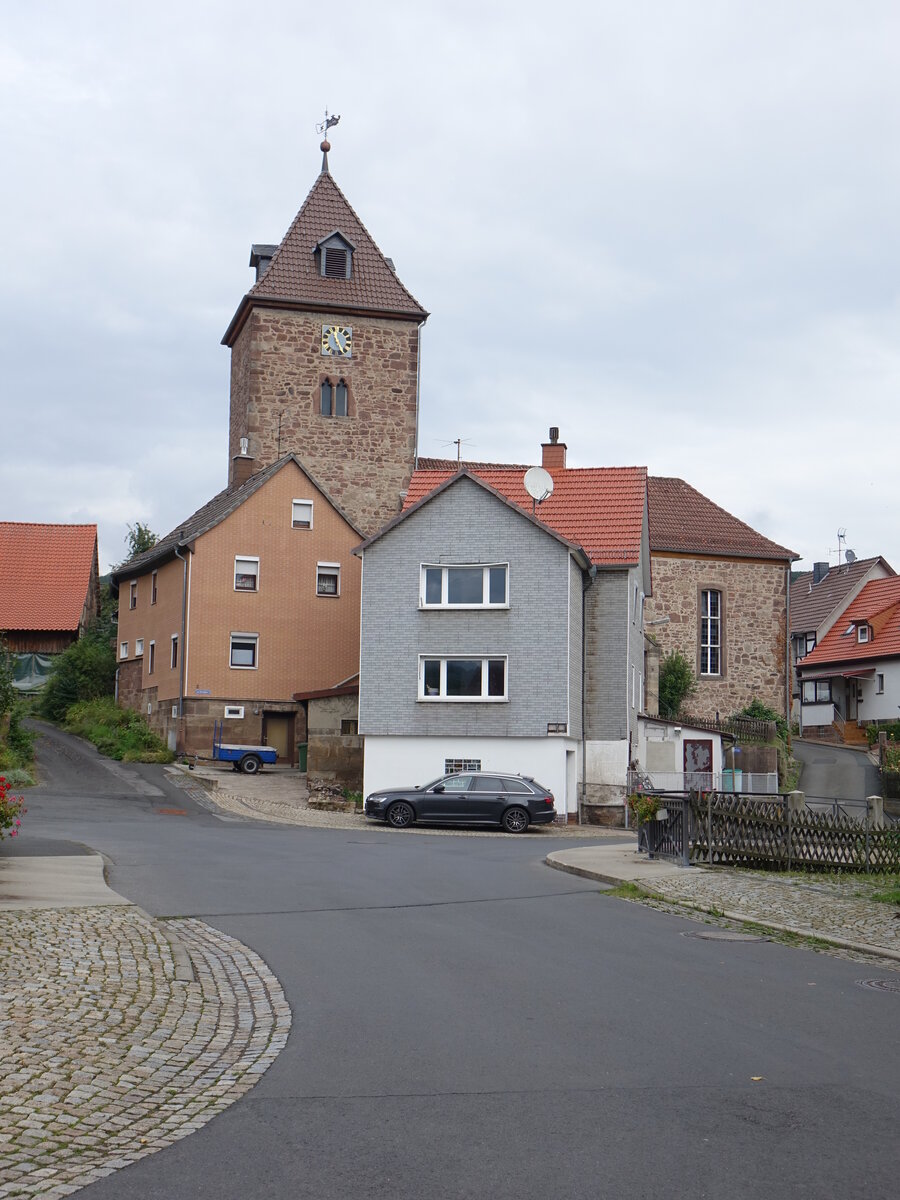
x,y
835,772
468,1023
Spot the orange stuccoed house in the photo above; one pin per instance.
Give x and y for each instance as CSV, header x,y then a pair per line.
x,y
254,598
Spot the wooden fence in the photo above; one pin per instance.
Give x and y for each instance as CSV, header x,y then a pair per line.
x,y
729,830
747,729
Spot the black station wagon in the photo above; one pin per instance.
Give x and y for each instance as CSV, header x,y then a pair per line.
x,y
470,798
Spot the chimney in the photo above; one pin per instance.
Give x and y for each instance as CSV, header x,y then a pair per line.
x,y
241,465
820,570
553,453
260,257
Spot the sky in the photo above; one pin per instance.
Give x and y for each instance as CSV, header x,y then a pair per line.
x,y
668,227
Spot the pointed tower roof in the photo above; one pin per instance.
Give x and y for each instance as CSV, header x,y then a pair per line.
x,y
294,280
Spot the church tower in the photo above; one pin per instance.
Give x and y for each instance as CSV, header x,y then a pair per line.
x,y
325,360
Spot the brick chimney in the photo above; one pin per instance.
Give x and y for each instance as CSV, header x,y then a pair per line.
x,y
553,453
241,465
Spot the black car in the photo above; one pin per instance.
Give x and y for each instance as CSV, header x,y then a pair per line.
x,y
471,798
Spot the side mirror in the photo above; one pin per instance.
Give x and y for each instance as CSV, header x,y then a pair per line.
x,y
438,787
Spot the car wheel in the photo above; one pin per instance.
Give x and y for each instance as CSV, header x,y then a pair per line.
x,y
515,820
400,815
250,764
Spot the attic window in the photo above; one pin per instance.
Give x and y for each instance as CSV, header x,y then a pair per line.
x,y
335,256
862,633
335,262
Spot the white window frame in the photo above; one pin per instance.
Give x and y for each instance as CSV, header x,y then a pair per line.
x,y
151,657
173,652
123,649
138,647
234,712
246,558
154,586
879,684
445,568
443,698
329,568
133,594
243,637
302,524
862,632
715,623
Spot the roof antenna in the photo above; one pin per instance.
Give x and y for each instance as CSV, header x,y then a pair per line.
x,y
322,128
458,443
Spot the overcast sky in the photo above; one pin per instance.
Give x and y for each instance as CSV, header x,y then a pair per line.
x,y
669,227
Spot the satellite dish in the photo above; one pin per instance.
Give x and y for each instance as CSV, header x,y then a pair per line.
x,y
538,484
849,556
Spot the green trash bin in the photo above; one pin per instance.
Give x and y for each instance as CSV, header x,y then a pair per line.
x,y
304,749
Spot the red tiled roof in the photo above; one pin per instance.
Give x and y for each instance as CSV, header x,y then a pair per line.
x,y
293,275
45,572
598,508
812,602
879,605
683,520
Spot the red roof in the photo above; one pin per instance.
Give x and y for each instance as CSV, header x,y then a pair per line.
x,y
683,520
878,604
45,573
293,276
600,509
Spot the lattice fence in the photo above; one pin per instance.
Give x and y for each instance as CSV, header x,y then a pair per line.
x,y
732,831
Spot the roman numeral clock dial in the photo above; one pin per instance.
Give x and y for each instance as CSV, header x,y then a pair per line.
x,y
337,340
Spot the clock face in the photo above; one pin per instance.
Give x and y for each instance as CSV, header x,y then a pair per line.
x,y
337,340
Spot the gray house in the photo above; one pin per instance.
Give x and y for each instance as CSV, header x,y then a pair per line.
x,y
492,639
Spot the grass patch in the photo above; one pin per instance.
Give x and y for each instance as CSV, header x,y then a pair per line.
x,y
17,777
628,891
890,895
117,732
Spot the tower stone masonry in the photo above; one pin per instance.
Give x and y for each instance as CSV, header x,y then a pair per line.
x,y
325,360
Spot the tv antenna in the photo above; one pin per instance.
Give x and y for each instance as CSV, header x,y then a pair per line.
x,y
538,485
458,443
849,556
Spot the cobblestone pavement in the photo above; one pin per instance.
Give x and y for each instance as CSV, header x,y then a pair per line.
x,y
828,908
116,1041
281,796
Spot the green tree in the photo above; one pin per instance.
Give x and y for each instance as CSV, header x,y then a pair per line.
x,y
86,671
139,538
676,683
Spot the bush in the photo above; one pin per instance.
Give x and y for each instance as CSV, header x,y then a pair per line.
x,y
86,671
117,732
676,683
758,711
891,728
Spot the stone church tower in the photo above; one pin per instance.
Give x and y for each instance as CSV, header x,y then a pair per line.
x,y
325,360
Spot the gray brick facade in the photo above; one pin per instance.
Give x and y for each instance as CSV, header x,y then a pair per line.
x,y
540,631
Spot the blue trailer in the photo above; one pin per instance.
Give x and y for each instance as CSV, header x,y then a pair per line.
x,y
248,759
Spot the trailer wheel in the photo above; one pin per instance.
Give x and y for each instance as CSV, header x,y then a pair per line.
x,y
251,763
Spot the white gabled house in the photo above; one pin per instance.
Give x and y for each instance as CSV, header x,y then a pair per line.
x,y
497,639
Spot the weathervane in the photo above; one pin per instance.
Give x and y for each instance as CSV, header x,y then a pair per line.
x,y
322,128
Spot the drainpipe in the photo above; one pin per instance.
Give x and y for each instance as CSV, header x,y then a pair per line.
x,y
787,651
183,649
592,575
418,379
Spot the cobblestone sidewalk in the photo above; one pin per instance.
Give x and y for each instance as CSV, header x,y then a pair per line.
x,y
827,909
115,1041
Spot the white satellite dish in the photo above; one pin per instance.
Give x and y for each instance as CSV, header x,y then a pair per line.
x,y
538,484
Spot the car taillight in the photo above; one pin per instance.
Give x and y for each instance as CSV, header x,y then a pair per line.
x,y
548,799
